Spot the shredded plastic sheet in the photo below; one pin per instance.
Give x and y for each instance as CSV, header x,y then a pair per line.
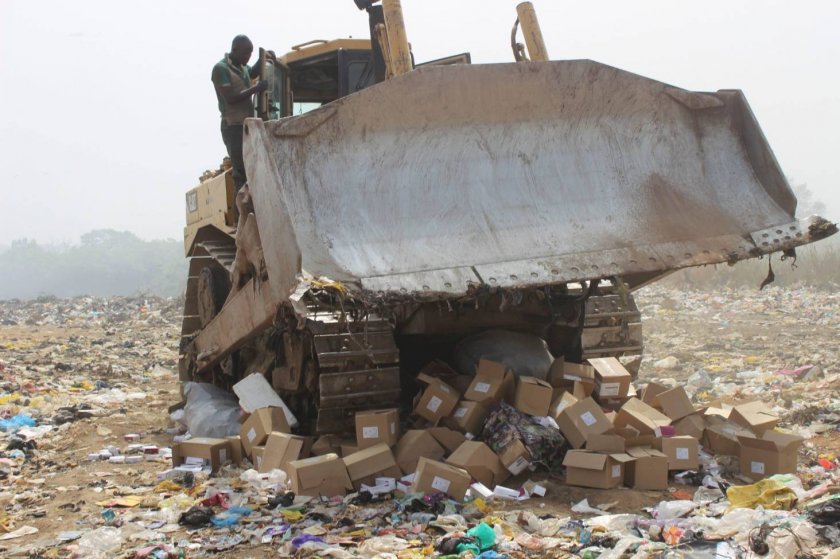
x,y
768,493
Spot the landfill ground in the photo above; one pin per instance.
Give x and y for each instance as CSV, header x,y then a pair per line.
x,y
117,357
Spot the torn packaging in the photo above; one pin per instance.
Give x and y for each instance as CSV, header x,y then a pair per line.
x,y
533,396
594,469
319,476
416,444
282,448
481,463
259,424
437,400
208,451
582,419
435,477
720,436
493,383
675,403
377,426
468,417
648,470
611,378
366,465
773,452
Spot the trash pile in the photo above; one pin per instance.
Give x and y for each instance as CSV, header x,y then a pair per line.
x,y
694,459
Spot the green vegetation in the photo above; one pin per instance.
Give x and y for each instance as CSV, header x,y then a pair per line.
x,y
105,262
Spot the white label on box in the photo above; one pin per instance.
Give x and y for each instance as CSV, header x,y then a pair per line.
x,y
757,467
682,453
434,404
588,418
441,484
609,389
223,455
616,471
252,434
370,432
191,460
518,466
460,412
538,490
393,428
482,387
572,377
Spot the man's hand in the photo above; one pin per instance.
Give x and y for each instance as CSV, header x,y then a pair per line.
x,y
261,86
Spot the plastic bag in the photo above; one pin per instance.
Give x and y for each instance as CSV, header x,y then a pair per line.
x,y
102,542
769,493
210,411
17,422
525,354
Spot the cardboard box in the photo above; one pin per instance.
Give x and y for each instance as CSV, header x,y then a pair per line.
x,y
482,463
348,447
650,394
755,416
683,452
562,402
612,380
437,400
533,396
436,477
257,454
515,457
692,425
237,452
202,450
260,423
614,403
282,448
580,372
606,443
416,444
720,437
468,417
377,426
641,417
648,470
675,403
440,370
447,438
594,469
773,452
326,444
366,465
582,419
555,372
255,392
493,383
319,476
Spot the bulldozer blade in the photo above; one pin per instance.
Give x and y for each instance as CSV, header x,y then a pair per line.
x,y
516,175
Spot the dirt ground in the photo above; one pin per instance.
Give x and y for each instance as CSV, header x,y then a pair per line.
x,y
722,333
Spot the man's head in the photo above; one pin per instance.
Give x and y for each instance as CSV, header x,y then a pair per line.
x,y
241,49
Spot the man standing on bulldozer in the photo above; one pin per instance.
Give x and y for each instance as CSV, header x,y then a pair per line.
x,y
232,80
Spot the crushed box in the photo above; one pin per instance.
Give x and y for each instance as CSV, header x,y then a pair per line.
x,y
437,400
448,438
437,477
770,453
367,464
648,470
515,457
326,444
720,437
533,396
202,450
377,426
582,419
493,383
416,444
482,463
755,416
282,448
683,452
675,403
255,429
692,425
612,380
468,417
650,394
319,476
594,469
641,417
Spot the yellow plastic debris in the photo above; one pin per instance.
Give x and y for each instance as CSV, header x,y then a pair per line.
x,y
292,515
769,493
168,486
126,501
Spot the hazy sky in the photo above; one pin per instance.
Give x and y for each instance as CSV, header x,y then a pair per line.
x,y
107,113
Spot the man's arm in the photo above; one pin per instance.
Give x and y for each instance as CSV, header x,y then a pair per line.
x,y
222,83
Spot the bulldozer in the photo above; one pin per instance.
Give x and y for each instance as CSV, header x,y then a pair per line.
x,y
393,209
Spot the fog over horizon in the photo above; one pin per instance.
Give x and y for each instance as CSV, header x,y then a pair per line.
x,y
121,119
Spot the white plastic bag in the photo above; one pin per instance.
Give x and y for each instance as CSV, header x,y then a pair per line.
x,y
210,411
